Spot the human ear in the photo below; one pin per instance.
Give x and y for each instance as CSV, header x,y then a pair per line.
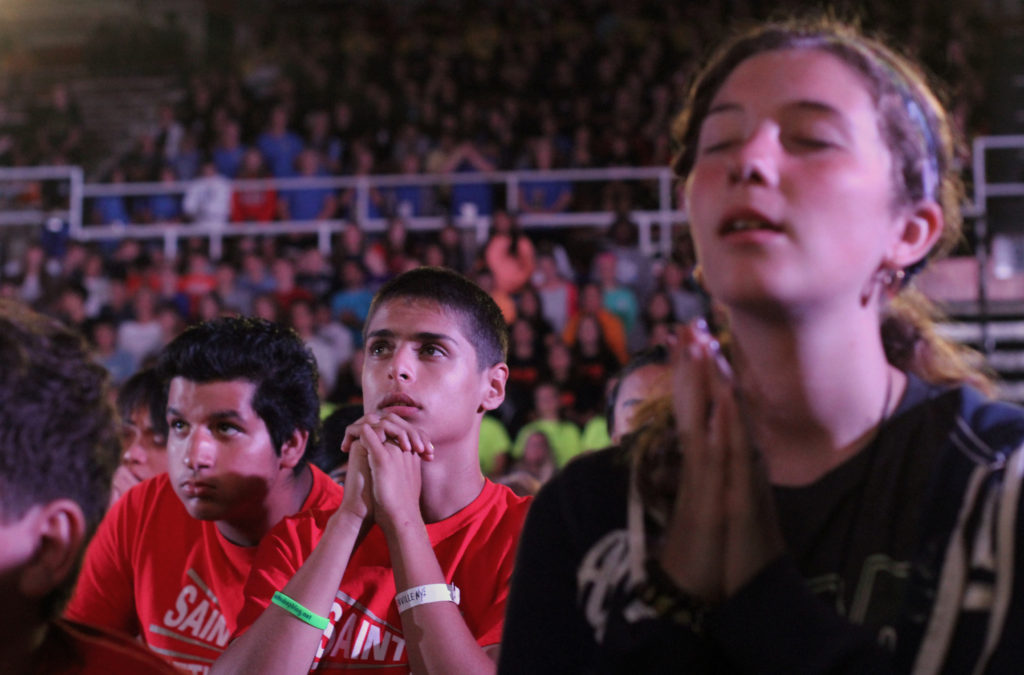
x,y
494,394
61,528
920,230
293,448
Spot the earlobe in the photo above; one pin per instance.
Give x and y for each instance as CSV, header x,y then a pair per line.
x,y
61,537
497,376
293,448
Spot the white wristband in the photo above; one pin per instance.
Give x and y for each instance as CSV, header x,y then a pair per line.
x,y
422,595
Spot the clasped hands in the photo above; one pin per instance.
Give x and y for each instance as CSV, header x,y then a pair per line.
x,y
722,529
383,483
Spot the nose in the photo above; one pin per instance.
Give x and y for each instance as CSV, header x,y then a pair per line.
x,y
198,452
756,158
133,454
401,367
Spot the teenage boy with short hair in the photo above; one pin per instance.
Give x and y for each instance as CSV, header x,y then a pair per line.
x,y
170,559
58,440
418,520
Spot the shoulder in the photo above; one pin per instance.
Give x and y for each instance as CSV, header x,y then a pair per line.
x,y
325,493
980,429
151,503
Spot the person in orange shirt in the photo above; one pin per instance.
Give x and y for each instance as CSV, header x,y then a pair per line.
x,y
611,326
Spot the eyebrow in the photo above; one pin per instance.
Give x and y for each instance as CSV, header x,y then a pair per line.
x,y
421,336
217,414
800,104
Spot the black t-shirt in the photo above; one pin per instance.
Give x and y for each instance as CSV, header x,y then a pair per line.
x,y
865,542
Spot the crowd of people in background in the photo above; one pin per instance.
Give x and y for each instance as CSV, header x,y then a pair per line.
x,y
400,89
571,327
512,86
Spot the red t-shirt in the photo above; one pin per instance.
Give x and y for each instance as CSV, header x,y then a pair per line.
x,y
77,649
475,547
153,570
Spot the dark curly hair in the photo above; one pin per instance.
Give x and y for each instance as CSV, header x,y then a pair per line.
x,y
482,321
58,435
270,355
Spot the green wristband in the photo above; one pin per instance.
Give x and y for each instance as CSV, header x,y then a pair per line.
x,y
299,612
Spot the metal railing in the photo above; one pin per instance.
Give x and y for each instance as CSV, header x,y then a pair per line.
x,y
654,224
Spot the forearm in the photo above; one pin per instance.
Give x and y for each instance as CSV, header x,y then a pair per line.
x,y
278,642
437,637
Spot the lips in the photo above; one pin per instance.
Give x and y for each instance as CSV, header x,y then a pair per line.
x,y
398,400
746,220
197,489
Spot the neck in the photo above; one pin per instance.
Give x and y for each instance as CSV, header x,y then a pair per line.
x,y
813,392
451,480
284,497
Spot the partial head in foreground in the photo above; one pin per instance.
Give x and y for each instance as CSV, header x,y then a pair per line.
x,y
58,441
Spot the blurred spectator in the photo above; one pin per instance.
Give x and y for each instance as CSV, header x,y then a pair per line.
x,y
207,199
538,458
57,126
558,295
321,139
619,298
228,152
197,280
328,354
234,298
594,363
311,203
632,268
279,145
348,202
547,418
314,273
351,303
167,133
544,195
609,327
102,335
253,204
142,334
164,207
468,198
526,368
406,201
688,302
286,290
495,446
255,278
97,283
509,254
110,209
